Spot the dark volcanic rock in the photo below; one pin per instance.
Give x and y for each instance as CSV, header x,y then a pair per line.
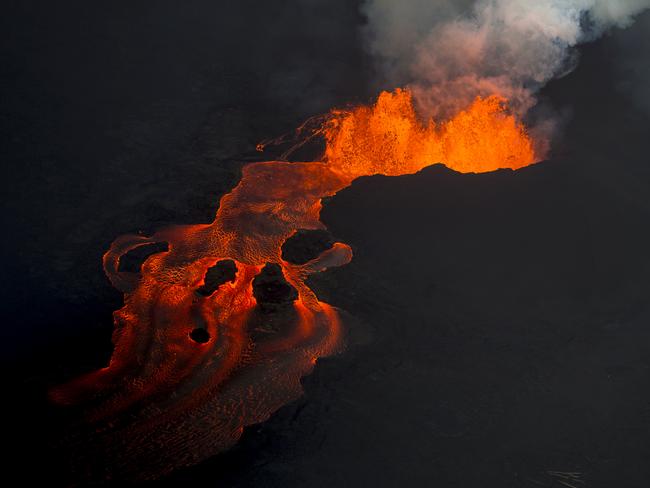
x,y
271,289
132,261
510,311
306,245
225,270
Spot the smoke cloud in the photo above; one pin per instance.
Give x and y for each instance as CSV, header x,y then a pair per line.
x,y
632,65
448,52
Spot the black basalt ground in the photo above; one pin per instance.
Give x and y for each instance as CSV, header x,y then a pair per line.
x,y
222,272
271,290
306,245
132,261
498,325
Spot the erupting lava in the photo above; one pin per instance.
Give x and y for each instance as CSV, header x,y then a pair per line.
x,y
389,139
166,400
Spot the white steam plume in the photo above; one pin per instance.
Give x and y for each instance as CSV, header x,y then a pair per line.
x,y
449,51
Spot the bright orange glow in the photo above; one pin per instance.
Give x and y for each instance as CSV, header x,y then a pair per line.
x,y
388,138
166,401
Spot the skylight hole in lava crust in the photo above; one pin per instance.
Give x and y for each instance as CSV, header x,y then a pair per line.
x,y
200,335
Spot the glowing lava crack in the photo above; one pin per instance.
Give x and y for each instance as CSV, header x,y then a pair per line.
x,y
172,396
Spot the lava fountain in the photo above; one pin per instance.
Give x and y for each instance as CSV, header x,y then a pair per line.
x,y
168,400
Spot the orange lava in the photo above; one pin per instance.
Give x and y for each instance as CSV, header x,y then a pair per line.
x,y
166,401
388,138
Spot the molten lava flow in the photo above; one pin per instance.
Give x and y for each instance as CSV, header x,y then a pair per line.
x,y
166,400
